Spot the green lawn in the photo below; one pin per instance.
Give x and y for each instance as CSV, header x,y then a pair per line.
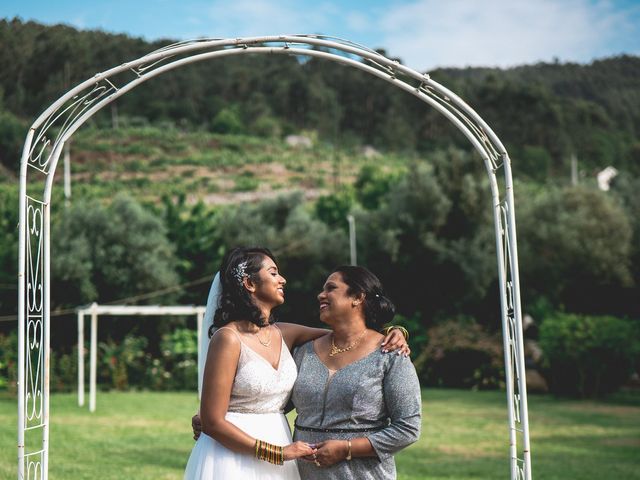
x,y
147,436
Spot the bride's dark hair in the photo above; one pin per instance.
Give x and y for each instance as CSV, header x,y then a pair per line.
x,y
235,300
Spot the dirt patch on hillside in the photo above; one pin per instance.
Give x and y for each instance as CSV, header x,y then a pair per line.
x,y
229,198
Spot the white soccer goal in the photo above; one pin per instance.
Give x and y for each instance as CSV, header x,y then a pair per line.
x,y
94,311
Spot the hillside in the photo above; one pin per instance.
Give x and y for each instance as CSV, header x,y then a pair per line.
x,y
543,113
151,162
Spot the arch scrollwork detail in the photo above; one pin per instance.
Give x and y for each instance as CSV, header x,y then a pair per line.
x,y
50,135
34,345
34,466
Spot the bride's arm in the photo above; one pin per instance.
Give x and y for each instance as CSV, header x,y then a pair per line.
x,y
219,373
294,335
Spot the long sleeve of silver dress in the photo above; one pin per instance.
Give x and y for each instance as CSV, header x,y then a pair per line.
x,y
377,397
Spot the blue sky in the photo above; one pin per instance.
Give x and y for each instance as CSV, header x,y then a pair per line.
x,y
423,33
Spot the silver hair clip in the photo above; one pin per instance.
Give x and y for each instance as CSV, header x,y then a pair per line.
x,y
239,271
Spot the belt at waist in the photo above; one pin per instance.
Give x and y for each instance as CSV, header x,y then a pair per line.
x,y
337,430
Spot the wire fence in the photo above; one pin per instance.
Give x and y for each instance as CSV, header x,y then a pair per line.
x,y
123,301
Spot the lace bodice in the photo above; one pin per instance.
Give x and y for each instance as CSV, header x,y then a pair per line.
x,y
257,386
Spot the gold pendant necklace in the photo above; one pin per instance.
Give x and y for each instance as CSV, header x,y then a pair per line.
x,y
265,343
335,350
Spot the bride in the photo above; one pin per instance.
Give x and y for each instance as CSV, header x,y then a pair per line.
x,y
248,376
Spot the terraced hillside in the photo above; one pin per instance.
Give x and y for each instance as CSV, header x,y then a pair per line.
x,y
152,161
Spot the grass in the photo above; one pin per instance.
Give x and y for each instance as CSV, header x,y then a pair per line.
x,y
146,435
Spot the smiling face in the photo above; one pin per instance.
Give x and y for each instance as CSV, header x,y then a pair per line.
x,y
269,288
335,302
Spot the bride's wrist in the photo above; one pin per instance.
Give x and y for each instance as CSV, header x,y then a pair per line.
x,y
269,452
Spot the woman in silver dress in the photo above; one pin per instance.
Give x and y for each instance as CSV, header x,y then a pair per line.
x,y
356,405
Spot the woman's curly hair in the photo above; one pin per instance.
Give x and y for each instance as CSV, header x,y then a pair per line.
x,y
235,300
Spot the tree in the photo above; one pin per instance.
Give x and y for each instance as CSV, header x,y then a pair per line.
x,y
192,231
431,237
227,120
401,237
333,209
626,187
12,135
103,253
372,185
8,249
575,243
590,110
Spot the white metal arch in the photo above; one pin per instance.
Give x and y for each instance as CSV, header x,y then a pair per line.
x,y
50,131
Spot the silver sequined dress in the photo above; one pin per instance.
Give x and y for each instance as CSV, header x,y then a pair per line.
x,y
379,392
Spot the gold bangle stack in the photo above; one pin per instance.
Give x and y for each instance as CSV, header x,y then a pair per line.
x,y
269,452
404,331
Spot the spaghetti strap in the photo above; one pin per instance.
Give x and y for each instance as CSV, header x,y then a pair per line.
x,y
280,332
227,328
242,344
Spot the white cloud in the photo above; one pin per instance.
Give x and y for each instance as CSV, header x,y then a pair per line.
x,y
79,22
193,20
260,17
357,21
429,33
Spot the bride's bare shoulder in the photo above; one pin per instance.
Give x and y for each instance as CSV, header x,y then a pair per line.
x,y
226,337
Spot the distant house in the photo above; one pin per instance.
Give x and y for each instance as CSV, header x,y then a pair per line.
x,y
605,176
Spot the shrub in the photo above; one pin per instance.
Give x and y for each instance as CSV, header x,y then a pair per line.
x,y
333,209
267,126
372,185
179,350
8,361
587,356
460,354
124,364
246,184
64,371
226,121
417,333
12,135
64,366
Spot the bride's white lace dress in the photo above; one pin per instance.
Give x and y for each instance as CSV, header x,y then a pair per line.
x,y
258,397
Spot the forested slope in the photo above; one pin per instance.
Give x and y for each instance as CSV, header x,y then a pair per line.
x,y
543,113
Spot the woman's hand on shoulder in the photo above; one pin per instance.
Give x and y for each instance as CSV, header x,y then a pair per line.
x,y
395,342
